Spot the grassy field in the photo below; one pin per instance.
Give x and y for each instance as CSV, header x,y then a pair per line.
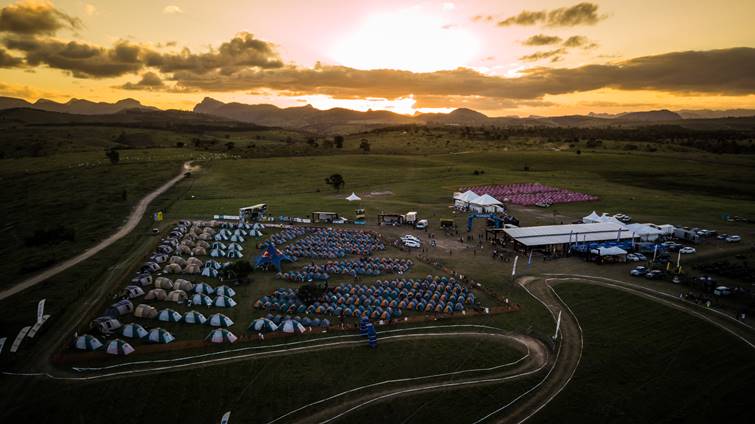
x,y
295,186
255,390
644,362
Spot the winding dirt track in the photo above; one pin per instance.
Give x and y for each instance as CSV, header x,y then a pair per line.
x,y
131,223
556,367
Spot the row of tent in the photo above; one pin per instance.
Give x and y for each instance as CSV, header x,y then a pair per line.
x,y
288,234
362,266
156,335
335,243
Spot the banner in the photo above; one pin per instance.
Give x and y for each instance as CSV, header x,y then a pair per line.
x,y
226,418
40,310
17,343
2,343
558,325
513,270
529,261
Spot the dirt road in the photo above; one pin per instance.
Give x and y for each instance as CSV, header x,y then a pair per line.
x,y
131,223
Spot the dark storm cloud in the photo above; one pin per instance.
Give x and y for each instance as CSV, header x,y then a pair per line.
x,y
149,81
7,60
82,60
541,40
579,14
91,61
35,18
726,71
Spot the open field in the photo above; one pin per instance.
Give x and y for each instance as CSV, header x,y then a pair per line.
x,y
644,362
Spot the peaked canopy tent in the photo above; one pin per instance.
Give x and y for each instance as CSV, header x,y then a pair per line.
x,y
463,199
645,232
353,197
272,256
486,203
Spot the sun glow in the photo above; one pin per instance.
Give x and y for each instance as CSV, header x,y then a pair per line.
x,y
410,40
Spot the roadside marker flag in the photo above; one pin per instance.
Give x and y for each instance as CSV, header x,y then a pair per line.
x,y
40,310
513,270
2,343
558,325
226,417
529,261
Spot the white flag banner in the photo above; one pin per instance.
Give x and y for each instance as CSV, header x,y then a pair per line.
x,y
17,343
40,309
513,270
2,343
226,418
37,325
558,325
655,252
678,258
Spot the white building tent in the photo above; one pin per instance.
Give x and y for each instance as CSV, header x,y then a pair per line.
x,y
609,251
353,197
594,218
463,199
645,232
486,203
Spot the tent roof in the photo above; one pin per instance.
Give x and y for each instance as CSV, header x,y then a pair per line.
x,y
353,197
611,251
643,229
486,200
467,196
568,233
593,217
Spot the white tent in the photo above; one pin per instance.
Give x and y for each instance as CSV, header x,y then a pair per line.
x,y
593,218
486,203
610,251
119,347
463,199
353,197
644,231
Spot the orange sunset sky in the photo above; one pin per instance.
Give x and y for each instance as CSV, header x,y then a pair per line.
x,y
498,57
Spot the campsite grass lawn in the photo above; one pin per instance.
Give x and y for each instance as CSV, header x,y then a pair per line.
x,y
256,391
692,189
644,362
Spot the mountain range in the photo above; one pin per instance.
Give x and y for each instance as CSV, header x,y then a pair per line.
x,y
346,120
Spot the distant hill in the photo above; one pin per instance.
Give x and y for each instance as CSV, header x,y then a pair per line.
x,y
75,106
649,116
303,117
340,120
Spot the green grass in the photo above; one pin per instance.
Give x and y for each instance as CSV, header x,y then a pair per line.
x,y
255,390
644,362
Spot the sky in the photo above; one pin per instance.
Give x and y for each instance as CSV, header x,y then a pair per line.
x,y
498,57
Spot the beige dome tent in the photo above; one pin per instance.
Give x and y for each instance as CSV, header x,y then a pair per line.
x,y
156,294
192,269
199,251
178,260
203,244
172,269
177,296
163,283
145,311
184,285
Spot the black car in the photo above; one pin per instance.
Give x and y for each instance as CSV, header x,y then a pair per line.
x,y
655,274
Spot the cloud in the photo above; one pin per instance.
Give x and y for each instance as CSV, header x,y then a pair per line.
x,y
725,71
242,51
149,81
172,10
554,55
579,41
7,60
541,40
90,9
85,60
35,18
82,60
579,14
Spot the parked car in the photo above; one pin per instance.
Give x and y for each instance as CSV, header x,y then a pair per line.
x,y
654,274
687,250
722,236
733,239
638,271
421,224
640,256
632,257
722,291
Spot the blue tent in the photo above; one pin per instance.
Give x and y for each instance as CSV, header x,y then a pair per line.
x,y
273,256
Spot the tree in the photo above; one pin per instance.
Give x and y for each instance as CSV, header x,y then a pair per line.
x,y
230,145
327,143
338,140
365,145
113,155
335,180
179,144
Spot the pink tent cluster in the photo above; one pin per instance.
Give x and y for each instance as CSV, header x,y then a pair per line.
x,y
527,194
